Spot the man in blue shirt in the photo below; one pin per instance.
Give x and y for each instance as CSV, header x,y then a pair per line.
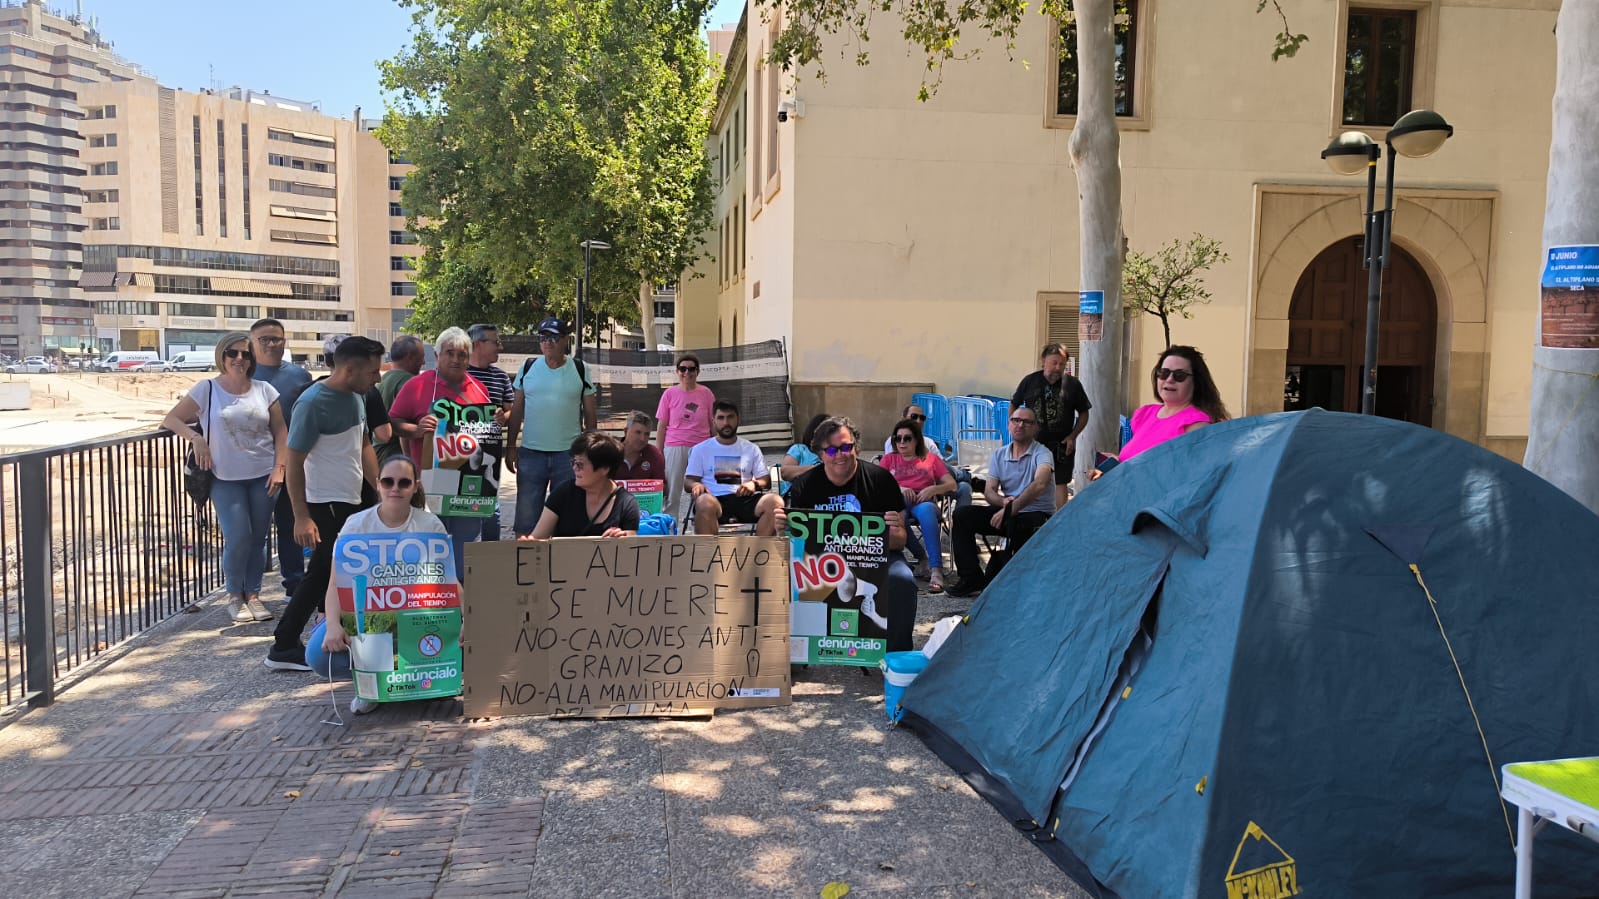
x,y
266,340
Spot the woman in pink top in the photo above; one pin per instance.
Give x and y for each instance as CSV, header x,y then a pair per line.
x,y
922,478
1187,396
684,414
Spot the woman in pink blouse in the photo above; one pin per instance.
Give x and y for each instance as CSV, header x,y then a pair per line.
x,y
1187,400
684,417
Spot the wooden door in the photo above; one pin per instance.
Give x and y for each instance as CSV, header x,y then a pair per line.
x,y
1327,328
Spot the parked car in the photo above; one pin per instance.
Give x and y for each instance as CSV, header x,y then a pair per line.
x,y
33,365
151,365
193,360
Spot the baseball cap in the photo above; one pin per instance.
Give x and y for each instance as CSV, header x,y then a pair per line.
x,y
553,327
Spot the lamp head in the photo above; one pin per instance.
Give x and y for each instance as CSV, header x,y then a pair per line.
x,y
1419,133
1350,152
594,245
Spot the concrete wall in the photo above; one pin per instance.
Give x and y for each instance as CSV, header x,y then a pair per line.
x,y
874,407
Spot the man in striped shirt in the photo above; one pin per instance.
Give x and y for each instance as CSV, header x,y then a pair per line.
x,y
486,352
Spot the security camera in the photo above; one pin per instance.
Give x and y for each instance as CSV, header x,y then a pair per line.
x,y
782,112
796,108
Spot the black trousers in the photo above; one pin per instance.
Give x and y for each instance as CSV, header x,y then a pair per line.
x,y
313,589
971,521
899,604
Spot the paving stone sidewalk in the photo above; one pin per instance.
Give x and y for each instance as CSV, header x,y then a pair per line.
x,y
186,768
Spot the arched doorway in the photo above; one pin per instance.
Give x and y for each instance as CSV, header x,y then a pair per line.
x,y
1327,343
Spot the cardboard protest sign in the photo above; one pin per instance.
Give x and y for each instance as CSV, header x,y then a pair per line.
x,y
401,606
840,562
650,493
461,471
597,627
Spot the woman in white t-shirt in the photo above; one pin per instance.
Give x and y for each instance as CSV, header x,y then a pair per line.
x,y
242,440
399,510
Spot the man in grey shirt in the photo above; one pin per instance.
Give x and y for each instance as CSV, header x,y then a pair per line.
x,y
290,380
1019,502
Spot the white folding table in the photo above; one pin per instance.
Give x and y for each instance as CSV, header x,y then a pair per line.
x,y
1565,791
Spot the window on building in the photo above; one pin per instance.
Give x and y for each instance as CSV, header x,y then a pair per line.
x,y
199,191
396,182
251,312
401,237
1128,36
402,288
402,263
103,168
398,159
244,154
205,309
102,112
108,224
305,190
1379,64
396,211
102,140
1057,322
101,196
222,181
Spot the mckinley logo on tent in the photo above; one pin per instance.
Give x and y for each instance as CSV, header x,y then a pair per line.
x,y
1271,874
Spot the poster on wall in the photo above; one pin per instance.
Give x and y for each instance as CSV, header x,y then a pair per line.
x,y
1569,298
400,604
839,563
461,479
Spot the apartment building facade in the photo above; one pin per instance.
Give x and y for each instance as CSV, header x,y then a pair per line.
x,y
893,242
159,219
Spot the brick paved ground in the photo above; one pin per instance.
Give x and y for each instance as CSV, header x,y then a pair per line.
x,y
185,768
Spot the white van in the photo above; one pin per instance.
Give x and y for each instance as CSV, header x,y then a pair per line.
x,y
193,360
127,360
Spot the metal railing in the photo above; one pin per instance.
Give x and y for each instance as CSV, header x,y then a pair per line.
x,y
99,542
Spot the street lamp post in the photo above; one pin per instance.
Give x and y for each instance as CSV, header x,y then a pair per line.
x,y
589,246
1418,133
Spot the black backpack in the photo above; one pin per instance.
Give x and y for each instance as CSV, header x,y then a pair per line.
x,y
582,371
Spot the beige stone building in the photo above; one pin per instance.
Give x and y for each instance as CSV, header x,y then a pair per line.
x,y
894,243
160,219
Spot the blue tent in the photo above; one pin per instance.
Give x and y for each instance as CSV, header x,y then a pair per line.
x,y
1229,668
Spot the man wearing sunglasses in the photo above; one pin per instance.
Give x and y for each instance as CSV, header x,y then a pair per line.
x,y
728,480
844,482
290,380
1062,406
1019,503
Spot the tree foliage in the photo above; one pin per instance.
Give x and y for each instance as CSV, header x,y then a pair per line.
x,y
535,125
1168,283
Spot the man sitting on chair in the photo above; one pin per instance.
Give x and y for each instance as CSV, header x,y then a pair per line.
x,y
1019,503
727,479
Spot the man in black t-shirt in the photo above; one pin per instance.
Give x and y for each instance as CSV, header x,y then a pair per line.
x,y
846,483
1062,408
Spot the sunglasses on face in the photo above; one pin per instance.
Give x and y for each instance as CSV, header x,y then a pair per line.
x,y
841,449
269,341
688,368
1178,375
904,438
545,338
391,483
918,418
1017,420
238,354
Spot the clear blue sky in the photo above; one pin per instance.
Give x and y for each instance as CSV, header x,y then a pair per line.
x,y
319,50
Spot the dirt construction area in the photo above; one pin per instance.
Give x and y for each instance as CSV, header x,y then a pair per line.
x,y
76,406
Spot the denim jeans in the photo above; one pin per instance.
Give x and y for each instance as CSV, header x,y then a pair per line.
x,y
291,556
491,528
537,473
244,510
926,515
462,531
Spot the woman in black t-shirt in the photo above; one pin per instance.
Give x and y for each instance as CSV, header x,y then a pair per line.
x,y
591,504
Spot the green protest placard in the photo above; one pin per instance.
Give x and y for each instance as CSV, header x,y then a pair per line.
x,y
462,476
401,605
840,562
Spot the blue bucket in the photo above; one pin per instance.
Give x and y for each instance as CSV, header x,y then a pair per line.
x,y
899,671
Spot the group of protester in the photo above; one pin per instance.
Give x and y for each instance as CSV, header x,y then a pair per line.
x,y
341,455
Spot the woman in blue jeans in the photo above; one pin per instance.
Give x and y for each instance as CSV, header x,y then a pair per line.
x,y
922,478
241,439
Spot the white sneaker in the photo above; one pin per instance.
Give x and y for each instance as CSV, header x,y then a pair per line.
x,y
258,609
239,611
359,706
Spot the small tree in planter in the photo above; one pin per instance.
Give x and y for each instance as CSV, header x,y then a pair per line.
x,y
1168,283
